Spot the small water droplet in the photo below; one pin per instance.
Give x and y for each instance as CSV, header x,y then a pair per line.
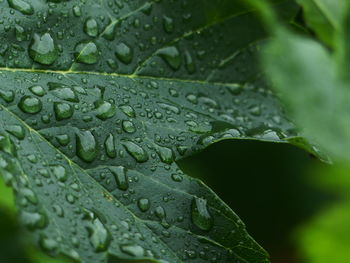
x,y
171,56
91,27
144,204
63,111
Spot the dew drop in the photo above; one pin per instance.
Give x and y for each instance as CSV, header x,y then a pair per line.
x,y
120,176
17,131
21,6
86,146
100,237
144,204
63,111
86,52
136,151
104,110
91,27
200,214
171,56
110,146
60,173
124,53
133,250
30,104
43,49
37,90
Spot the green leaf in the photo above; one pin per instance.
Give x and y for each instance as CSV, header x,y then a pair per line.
x,y
326,18
97,102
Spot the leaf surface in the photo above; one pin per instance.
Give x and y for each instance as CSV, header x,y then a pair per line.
x,y
99,99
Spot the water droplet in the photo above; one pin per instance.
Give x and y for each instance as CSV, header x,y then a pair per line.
x,y
109,32
60,172
37,90
110,146
128,110
17,131
144,204
63,111
165,154
190,65
128,127
91,27
136,151
133,250
104,110
43,49
120,176
7,95
48,244
21,6
200,214
86,146
171,56
99,235
87,53
124,53
63,139
63,92
33,220
30,104
168,24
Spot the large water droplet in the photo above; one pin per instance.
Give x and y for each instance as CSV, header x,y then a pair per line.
x,y
171,56
120,176
60,173
63,111
21,6
86,52
17,131
124,53
37,90
144,204
200,214
63,92
99,235
43,49
165,154
104,110
86,146
7,95
33,220
133,250
30,104
91,27
136,151
110,146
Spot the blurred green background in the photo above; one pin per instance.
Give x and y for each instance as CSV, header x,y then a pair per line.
x,y
294,206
